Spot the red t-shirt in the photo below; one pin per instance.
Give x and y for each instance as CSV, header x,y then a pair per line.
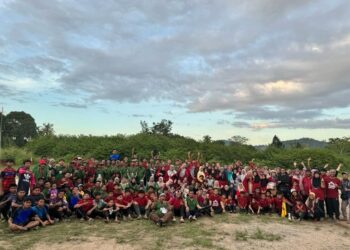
x,y
176,202
8,176
307,184
128,198
278,203
263,203
110,187
332,187
121,202
141,201
89,204
215,199
243,201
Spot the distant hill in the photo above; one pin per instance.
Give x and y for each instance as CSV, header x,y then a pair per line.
x,y
304,142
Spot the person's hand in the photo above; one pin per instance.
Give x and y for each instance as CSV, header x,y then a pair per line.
x,y
187,209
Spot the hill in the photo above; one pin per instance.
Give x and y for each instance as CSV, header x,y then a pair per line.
x,y
303,142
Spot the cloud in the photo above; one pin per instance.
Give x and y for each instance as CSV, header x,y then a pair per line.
x,y
72,105
261,59
293,124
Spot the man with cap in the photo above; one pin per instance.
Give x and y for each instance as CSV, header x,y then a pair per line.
x,y
345,195
162,213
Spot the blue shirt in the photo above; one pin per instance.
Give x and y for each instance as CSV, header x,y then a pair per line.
x,y
114,157
22,216
40,211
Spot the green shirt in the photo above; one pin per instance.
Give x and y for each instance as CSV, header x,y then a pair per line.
x,y
191,203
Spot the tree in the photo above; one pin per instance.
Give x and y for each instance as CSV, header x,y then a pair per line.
x,y
340,145
163,127
239,139
46,130
276,142
20,127
144,127
207,139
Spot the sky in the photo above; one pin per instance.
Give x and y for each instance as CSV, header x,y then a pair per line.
x,y
222,68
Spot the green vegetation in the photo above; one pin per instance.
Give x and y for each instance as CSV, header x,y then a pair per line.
x,y
159,138
258,234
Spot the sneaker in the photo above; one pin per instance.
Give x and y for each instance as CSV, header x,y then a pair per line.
x,y
182,220
190,217
174,219
194,218
139,217
145,217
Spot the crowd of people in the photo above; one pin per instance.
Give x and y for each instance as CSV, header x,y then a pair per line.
x,y
119,189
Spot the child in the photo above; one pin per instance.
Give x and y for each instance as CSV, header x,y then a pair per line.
x,y
230,205
142,204
243,201
254,207
5,203
217,206
264,205
42,214
83,208
178,206
192,205
58,206
299,210
22,218
110,211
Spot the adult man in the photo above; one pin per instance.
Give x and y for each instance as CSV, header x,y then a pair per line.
x,y
345,195
162,213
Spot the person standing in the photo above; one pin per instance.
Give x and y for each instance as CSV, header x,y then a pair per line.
x,y
345,196
26,177
332,194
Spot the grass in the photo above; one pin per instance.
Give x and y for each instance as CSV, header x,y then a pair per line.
x,y
258,234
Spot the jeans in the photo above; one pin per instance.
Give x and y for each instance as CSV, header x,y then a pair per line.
x,y
344,204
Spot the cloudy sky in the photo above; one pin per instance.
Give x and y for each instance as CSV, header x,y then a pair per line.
x,y
252,68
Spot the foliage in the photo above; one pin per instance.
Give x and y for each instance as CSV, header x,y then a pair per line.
x,y
15,153
19,127
340,145
163,127
276,142
46,130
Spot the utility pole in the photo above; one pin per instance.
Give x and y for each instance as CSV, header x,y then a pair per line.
x,y
2,114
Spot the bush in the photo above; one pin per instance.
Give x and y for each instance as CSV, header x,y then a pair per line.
x,y
15,153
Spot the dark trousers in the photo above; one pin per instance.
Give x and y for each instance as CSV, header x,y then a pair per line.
x,y
179,211
332,206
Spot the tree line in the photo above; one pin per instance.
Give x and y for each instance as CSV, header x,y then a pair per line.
x,y
20,131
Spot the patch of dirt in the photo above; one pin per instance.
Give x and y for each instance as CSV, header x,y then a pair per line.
x,y
91,243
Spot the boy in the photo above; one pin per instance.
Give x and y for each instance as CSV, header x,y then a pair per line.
x,y
58,207
217,206
243,201
299,210
22,217
178,206
84,207
7,177
36,195
5,203
192,206
142,205
42,214
26,179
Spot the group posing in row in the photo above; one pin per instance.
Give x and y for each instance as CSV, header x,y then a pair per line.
x,y
163,191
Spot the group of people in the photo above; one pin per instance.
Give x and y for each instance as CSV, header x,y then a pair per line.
x,y
120,189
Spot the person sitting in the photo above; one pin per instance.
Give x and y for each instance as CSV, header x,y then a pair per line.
x,y
162,213
23,218
42,214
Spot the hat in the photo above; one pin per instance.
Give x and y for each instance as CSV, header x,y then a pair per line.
x,y
344,173
293,190
162,194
